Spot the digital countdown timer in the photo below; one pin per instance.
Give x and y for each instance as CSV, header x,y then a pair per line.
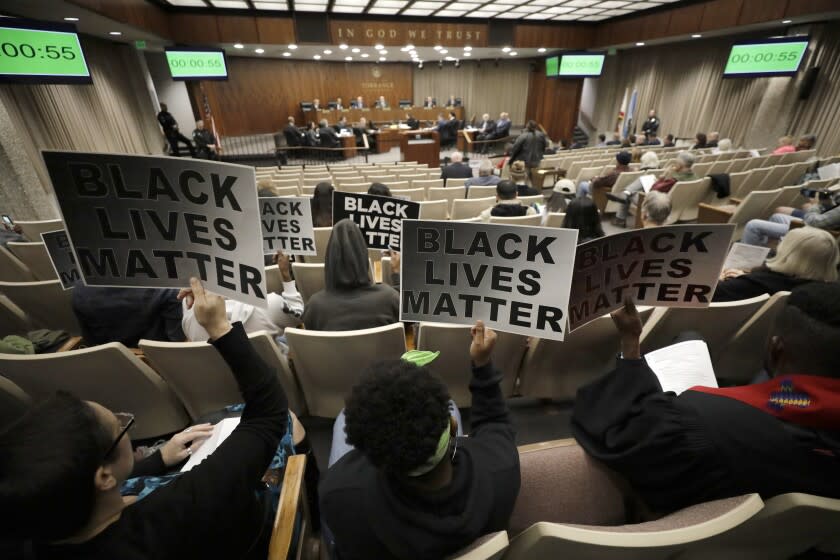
x,y
575,65
196,64
769,57
40,52
552,66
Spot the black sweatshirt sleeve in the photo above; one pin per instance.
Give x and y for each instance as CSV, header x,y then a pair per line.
x,y
149,466
489,410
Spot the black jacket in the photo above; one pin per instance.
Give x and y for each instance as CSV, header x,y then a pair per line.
x,y
329,139
413,124
651,125
529,147
759,281
456,171
167,122
373,517
502,129
293,135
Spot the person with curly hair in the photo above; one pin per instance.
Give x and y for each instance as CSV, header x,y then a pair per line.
x,y
403,485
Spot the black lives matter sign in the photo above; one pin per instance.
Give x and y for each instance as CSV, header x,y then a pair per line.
x,y
62,258
379,217
672,266
287,225
514,278
143,221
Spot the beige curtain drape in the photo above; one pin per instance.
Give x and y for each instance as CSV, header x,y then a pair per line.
x,y
684,83
114,114
485,89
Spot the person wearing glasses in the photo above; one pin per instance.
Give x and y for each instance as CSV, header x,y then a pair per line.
x,y
62,464
403,485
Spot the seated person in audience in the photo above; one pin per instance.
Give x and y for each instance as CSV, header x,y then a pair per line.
x,y
558,201
607,181
649,160
316,104
699,141
680,170
519,176
823,214
453,101
636,154
63,463
429,103
379,189
329,139
655,209
413,124
804,255
485,176
784,145
359,103
457,169
381,103
616,140
322,205
669,141
403,485
507,203
265,189
486,129
712,141
708,443
11,233
502,126
602,140
806,142
284,310
625,143
294,137
127,314
350,299
724,145
339,104
205,142
582,214
578,144
639,140
313,136
652,140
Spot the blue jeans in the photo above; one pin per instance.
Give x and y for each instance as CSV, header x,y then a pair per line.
x,y
759,232
340,447
583,189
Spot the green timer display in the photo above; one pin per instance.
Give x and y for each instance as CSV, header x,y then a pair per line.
x,y
40,55
552,66
581,65
765,59
196,65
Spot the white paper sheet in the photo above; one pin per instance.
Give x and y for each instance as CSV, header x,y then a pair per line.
x,y
829,171
682,366
647,182
745,257
220,433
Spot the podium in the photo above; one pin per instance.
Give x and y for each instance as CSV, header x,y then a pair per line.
x,y
422,146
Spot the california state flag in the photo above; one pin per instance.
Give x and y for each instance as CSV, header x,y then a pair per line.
x,y
622,112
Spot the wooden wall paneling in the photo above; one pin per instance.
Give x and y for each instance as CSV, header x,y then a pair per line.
x,y
404,32
561,36
759,12
237,29
262,93
686,19
194,29
275,30
553,103
804,7
655,25
720,14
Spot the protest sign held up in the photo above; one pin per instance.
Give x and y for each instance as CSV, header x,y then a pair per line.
x,y
144,221
379,217
62,258
514,278
672,266
287,225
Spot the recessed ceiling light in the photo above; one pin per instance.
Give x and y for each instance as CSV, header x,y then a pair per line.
x,y
696,36
317,57
348,58
327,51
383,51
541,49
640,44
382,59
71,19
356,50
467,54
787,21
443,51
513,53
287,53
506,49
115,33
342,46
238,46
409,47
438,47
449,58
378,47
467,48
259,51
365,55
292,47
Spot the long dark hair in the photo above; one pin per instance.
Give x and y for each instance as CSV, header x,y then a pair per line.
x,y
346,265
582,215
322,205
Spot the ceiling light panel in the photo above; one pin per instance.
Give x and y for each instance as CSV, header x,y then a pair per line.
x,y
482,14
391,3
197,3
609,4
415,12
384,11
428,5
587,11
348,9
450,13
238,4
581,3
271,5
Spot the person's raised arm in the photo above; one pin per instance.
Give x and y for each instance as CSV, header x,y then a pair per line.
x,y
488,403
286,309
629,326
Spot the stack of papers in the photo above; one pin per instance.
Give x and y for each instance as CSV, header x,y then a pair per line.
x,y
220,433
647,182
745,257
682,366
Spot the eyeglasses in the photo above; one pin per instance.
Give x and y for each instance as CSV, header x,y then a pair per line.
x,y
126,421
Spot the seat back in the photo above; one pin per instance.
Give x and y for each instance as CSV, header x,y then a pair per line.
x,y
286,191
470,208
12,318
622,182
753,206
481,191
555,219
488,547
32,230
13,402
426,183
309,278
34,256
445,193
12,269
322,239
532,220
685,199
773,179
453,364
45,302
108,374
743,354
356,188
434,210
738,183
329,364
415,195
716,323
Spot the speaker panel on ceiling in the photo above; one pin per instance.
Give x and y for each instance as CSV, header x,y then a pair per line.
x,y
312,28
808,82
500,33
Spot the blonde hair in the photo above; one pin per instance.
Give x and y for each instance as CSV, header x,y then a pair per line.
x,y
725,145
649,160
809,253
786,140
264,184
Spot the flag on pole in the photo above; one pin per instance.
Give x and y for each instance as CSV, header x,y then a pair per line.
x,y
621,112
631,109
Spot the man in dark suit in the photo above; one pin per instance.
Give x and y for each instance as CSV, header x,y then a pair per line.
x,y
502,126
429,103
293,135
457,169
359,103
486,128
341,124
381,103
329,139
651,126
339,104
453,101
170,130
412,123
